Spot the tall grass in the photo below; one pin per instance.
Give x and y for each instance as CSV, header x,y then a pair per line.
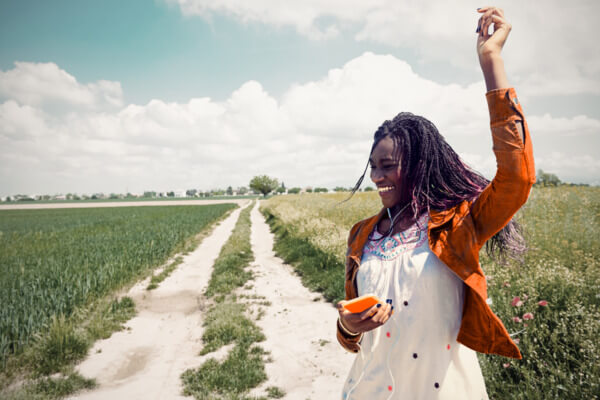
x,y
54,261
557,323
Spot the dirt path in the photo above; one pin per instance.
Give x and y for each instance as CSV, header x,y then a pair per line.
x,y
145,361
308,363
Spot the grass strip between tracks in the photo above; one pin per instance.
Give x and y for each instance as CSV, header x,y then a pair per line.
x,y
226,323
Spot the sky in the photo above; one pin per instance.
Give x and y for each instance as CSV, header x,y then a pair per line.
x,y
129,96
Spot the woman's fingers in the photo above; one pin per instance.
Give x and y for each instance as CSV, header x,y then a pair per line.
x,y
383,314
491,15
368,319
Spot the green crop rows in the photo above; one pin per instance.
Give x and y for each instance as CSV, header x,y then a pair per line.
x,y
52,261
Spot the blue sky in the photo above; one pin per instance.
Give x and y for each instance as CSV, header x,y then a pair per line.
x,y
113,83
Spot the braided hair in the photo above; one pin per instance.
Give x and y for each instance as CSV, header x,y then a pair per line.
x,y
434,177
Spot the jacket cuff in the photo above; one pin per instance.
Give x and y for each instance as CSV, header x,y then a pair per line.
x,y
349,343
503,104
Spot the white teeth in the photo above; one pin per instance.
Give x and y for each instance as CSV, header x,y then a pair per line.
x,y
385,189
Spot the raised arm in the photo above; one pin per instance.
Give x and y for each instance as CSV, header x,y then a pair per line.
x,y
515,172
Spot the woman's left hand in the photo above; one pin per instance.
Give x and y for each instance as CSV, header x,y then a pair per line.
x,y
490,45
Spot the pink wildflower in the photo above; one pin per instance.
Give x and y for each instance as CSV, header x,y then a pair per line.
x,y
528,316
516,340
525,297
506,365
505,284
516,302
542,303
517,320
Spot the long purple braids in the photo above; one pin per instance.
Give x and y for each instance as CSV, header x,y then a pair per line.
x,y
436,178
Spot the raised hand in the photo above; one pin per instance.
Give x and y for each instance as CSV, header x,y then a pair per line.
x,y
491,44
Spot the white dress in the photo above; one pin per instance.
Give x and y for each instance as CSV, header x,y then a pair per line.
x,y
414,355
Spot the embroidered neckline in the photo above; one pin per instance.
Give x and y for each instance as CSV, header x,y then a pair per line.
x,y
389,248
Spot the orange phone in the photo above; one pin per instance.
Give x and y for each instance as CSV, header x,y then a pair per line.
x,y
361,303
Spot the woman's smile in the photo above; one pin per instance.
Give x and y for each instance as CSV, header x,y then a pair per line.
x,y
385,172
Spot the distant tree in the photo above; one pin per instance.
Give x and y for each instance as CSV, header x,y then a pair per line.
x,y
308,190
546,179
321,190
294,190
8,198
242,190
263,184
280,190
191,192
283,185
368,189
170,194
339,189
112,196
150,194
229,190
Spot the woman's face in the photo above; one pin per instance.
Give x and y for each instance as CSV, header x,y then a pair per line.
x,y
385,172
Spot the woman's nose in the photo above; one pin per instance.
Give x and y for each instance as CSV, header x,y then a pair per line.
x,y
376,176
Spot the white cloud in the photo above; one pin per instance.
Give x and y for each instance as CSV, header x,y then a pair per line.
x,y
317,133
45,84
552,49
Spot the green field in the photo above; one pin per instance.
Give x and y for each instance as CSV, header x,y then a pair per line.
x,y
561,352
54,261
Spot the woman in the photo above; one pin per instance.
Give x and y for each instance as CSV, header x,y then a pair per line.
x,y
420,253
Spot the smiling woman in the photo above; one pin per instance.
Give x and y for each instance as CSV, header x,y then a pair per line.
x,y
421,252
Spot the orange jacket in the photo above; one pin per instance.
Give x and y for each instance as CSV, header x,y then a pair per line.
x,y
456,235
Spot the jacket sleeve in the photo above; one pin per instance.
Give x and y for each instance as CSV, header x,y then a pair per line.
x,y
515,171
350,343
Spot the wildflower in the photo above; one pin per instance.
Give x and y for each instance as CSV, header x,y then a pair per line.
x,y
525,297
542,303
516,340
516,302
506,365
505,284
516,319
528,316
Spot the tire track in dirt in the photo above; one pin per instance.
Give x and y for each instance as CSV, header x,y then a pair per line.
x,y
307,362
145,360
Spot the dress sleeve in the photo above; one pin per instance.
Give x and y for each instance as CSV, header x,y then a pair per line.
x,y
515,170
